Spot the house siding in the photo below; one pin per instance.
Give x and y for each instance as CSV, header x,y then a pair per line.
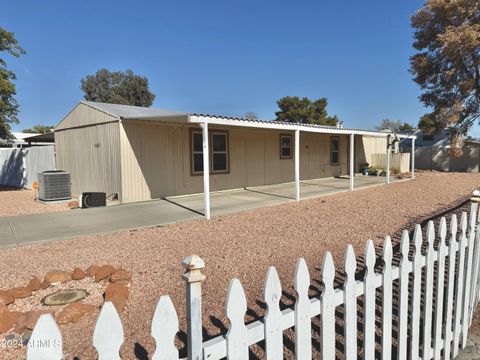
x,y
156,160
92,156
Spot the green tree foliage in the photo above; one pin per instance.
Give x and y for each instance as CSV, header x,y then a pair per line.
x,y
8,104
39,129
306,111
394,125
447,62
117,87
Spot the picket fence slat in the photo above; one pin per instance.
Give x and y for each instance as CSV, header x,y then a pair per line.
x,y
445,284
369,299
468,274
416,295
327,323
350,305
303,322
108,334
273,318
46,340
387,299
235,309
476,265
439,286
452,251
429,268
164,329
403,297
459,281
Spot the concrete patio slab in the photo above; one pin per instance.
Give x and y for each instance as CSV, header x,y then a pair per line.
x,y
228,201
63,225
7,238
28,229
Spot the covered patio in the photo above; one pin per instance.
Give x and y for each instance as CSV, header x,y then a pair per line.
x,y
301,188
230,201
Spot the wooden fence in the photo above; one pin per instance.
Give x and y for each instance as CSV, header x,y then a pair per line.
x,y
399,161
427,299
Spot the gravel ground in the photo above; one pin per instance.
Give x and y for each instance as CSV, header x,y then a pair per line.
x,y
238,245
20,202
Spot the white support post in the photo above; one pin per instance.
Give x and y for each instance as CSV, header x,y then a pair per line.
x,y
352,162
297,165
194,278
206,171
413,158
388,159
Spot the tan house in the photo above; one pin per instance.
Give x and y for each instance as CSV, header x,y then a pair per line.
x,y
146,153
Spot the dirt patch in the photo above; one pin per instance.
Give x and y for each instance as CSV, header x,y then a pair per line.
x,y
21,202
238,245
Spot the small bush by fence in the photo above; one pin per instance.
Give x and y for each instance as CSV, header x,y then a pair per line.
x,y
427,293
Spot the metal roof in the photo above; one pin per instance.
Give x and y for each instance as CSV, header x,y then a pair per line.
x,y
128,112
133,112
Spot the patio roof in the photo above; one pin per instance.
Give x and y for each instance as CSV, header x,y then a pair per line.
x,y
127,112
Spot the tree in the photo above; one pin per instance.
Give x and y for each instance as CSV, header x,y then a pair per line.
x,y
8,104
394,125
447,64
250,115
39,129
117,88
306,111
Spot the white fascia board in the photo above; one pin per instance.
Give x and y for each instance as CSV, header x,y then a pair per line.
x,y
276,126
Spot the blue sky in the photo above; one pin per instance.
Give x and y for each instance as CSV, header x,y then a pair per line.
x,y
219,57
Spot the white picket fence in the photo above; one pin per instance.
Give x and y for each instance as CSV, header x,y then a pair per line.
x,y
449,290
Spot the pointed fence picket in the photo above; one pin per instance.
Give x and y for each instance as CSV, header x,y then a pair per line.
x,y
387,285
235,309
303,321
429,270
327,306
450,287
439,286
460,285
417,292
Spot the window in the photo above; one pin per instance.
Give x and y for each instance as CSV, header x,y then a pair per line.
x,y
218,145
334,151
286,146
219,152
197,152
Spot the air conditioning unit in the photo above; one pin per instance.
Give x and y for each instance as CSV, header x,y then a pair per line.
x,y
54,185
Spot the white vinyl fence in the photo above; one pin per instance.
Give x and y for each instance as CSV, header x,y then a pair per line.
x,y
444,278
399,161
19,167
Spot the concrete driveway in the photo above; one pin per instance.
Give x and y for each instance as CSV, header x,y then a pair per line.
x,y
28,229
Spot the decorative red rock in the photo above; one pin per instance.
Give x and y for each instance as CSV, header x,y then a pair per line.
x,y
78,274
74,312
34,284
20,292
104,272
58,276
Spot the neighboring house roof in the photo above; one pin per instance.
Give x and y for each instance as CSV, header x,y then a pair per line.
x,y
43,138
128,112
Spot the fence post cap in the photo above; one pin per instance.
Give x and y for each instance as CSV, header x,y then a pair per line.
x,y
193,265
475,196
